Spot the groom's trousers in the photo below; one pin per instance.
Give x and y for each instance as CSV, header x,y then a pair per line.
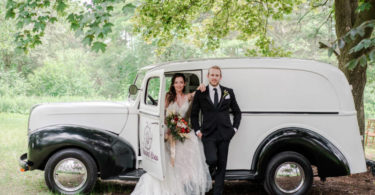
x,y
216,152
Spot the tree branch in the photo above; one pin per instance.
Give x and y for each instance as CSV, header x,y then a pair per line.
x,y
324,46
321,25
312,8
319,5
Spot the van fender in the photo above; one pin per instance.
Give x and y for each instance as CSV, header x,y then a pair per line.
x,y
317,149
112,154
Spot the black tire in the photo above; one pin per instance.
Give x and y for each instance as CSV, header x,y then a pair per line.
x,y
295,159
67,156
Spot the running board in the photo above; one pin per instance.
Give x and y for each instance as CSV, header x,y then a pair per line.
x,y
240,175
132,175
229,175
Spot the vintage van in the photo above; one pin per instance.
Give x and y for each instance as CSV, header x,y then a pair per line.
x,y
295,114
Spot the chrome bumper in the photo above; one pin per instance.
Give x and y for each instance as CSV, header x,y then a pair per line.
x,y
24,163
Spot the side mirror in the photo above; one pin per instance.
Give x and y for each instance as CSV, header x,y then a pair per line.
x,y
133,89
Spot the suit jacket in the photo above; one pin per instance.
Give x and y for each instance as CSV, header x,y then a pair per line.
x,y
216,118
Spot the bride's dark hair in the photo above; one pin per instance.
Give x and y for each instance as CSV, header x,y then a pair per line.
x,y
171,95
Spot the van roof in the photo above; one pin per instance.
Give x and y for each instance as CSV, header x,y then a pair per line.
x,y
243,62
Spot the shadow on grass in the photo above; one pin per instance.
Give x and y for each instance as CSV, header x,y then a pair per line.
x,y
356,184
116,187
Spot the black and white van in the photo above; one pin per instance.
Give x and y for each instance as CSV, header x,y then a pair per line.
x,y
295,114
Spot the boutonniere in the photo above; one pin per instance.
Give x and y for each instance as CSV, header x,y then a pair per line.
x,y
225,93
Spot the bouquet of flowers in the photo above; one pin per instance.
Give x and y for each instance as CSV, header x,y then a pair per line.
x,y
178,126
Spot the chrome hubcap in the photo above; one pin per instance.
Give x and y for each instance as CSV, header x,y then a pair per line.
x,y
70,174
289,177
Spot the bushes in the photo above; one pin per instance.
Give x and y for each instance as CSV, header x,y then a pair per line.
x,y
13,83
61,80
53,82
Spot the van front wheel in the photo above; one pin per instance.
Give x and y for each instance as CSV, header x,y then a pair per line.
x,y
70,171
288,173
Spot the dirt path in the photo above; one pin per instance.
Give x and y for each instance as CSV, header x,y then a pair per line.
x,y
356,184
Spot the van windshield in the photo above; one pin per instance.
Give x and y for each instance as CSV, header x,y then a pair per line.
x,y
138,82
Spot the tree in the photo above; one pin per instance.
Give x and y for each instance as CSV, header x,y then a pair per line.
x,y
354,27
209,21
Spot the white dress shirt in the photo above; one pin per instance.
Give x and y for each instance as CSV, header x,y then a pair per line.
x,y
212,92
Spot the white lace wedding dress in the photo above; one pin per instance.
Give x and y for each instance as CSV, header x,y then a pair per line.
x,y
189,175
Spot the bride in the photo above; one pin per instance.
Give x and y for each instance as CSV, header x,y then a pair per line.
x,y
187,173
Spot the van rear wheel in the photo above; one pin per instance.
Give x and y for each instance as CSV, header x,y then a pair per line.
x,y
70,171
288,173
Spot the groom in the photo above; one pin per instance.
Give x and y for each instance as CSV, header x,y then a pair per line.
x,y
216,130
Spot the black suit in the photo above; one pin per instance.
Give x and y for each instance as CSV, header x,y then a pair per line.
x,y
216,128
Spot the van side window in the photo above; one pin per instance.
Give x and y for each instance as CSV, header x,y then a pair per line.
x,y
193,83
152,91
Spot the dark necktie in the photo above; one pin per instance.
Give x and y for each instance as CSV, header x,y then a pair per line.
x,y
216,97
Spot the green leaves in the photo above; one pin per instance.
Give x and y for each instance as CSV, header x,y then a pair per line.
x,y
10,14
33,16
74,20
363,6
107,28
364,44
128,8
372,55
341,43
11,5
98,46
359,31
208,22
363,60
110,8
160,21
330,51
88,40
364,48
60,7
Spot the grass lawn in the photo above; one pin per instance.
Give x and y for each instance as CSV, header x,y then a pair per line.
x,y
13,143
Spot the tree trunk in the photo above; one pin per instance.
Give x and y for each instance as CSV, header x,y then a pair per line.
x,y
347,18
356,78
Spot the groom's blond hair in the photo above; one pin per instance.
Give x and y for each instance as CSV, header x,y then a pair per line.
x,y
214,67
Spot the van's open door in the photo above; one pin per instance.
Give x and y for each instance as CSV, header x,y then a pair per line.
x,y
151,124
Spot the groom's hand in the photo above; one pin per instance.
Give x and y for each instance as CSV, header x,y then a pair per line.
x,y
202,87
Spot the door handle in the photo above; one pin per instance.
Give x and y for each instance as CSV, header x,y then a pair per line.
x,y
154,123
